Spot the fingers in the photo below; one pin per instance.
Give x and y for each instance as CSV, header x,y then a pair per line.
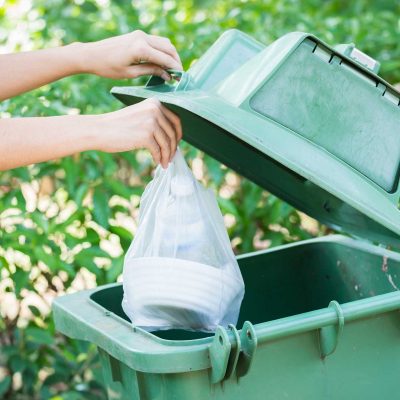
x,y
175,121
165,45
134,71
169,129
151,55
164,143
155,150
166,130
171,125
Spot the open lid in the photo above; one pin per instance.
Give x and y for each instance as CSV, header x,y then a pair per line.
x,y
312,124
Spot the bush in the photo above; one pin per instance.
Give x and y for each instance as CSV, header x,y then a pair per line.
x,y
65,224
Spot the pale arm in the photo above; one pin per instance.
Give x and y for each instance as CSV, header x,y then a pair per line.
x,y
26,141
21,72
125,56
148,125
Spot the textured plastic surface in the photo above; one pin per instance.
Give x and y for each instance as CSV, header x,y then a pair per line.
x,y
180,270
369,142
301,120
297,347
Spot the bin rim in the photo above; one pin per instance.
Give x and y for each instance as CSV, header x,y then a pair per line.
x,y
77,316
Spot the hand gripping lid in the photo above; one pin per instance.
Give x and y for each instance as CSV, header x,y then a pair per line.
x,y
312,124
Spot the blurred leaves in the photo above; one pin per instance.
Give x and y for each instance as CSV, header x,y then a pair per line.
x,y
66,224
101,210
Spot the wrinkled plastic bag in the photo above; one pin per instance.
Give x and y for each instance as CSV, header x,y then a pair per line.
x,y
180,270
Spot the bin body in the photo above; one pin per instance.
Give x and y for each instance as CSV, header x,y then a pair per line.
x,y
287,291
317,127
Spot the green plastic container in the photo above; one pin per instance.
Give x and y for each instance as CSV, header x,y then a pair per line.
x,y
320,319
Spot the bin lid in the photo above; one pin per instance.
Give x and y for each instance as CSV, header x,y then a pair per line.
x,y
313,124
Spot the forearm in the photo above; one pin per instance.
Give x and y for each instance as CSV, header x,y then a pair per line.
x,y
24,141
21,72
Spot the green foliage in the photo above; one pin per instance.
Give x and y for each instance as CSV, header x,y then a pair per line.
x,y
65,224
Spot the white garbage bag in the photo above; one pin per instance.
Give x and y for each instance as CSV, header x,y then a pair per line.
x,y
180,270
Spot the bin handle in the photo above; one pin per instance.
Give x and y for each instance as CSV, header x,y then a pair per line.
x,y
181,80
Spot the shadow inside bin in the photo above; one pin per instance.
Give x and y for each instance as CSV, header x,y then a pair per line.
x,y
295,279
110,298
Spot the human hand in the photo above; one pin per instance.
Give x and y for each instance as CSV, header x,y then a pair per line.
x,y
129,56
147,124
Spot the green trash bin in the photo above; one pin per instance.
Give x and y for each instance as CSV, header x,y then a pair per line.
x,y
320,319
